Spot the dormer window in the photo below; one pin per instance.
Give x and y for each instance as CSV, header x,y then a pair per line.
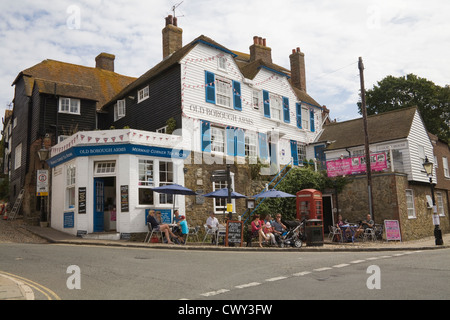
x,y
69,105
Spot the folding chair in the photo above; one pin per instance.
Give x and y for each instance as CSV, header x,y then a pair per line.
x,y
150,233
210,232
369,233
193,231
334,231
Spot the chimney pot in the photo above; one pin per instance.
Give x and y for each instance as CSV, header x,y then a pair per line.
x,y
259,50
293,51
172,36
298,49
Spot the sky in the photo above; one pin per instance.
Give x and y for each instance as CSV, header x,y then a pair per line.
x,y
394,37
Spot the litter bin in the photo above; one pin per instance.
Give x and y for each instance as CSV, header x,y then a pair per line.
x,y
314,232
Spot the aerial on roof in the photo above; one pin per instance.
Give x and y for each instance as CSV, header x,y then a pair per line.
x,y
61,78
381,127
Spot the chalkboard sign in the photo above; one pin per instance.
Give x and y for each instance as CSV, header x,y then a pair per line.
x,y
81,200
234,233
69,220
124,198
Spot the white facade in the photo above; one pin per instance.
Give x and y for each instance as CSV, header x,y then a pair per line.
x,y
252,128
97,171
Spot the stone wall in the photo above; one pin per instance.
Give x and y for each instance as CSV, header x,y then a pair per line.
x,y
198,178
389,200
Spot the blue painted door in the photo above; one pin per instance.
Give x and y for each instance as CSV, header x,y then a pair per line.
x,y
99,205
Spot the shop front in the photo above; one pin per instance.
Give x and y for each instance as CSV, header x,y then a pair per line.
x,y
102,180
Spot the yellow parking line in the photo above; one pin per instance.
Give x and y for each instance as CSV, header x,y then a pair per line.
x,y
42,289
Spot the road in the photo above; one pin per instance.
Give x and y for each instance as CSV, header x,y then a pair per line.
x,y
96,273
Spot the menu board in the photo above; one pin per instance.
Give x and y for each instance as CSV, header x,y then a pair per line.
x,y
81,200
392,228
234,233
124,198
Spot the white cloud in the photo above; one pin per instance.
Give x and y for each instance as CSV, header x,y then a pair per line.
x,y
394,37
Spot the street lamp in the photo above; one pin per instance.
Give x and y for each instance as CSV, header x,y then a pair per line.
x,y
428,166
43,154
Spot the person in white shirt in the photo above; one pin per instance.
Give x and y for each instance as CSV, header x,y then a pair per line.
x,y
213,224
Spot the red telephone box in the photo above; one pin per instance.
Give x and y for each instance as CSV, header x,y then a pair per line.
x,y
309,207
309,204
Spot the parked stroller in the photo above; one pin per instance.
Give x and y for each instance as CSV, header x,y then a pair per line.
x,y
294,236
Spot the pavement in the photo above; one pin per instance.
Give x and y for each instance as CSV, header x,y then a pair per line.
x,y
12,288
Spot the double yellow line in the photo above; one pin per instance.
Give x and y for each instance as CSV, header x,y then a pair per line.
x,y
49,294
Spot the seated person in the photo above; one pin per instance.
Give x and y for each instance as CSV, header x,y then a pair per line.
x,y
368,223
160,227
267,234
279,229
182,223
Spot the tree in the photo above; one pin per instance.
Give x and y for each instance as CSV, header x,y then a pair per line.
x,y
433,101
299,179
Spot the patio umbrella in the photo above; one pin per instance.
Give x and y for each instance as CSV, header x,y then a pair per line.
x,y
273,193
174,189
223,193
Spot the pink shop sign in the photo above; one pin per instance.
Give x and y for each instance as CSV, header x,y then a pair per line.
x,y
392,229
356,165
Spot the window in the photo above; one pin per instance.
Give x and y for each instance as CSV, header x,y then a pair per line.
x,y
217,140
165,178
105,167
410,204
68,105
222,63
256,99
445,166
146,182
220,204
119,109
301,152
223,92
143,94
305,119
276,104
70,186
18,157
162,130
250,146
440,204
421,154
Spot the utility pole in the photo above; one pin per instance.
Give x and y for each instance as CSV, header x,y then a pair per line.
x,y
366,137
230,214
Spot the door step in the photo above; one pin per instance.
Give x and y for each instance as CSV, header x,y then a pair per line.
x,y
102,236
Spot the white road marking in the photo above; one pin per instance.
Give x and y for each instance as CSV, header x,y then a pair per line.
x,y
323,269
341,265
214,293
275,279
357,261
301,273
247,285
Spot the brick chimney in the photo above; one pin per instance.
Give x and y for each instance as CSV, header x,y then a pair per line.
x,y
259,50
298,73
172,36
105,61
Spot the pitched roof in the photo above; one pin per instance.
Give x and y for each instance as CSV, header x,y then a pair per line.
x,y
381,127
247,68
73,81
